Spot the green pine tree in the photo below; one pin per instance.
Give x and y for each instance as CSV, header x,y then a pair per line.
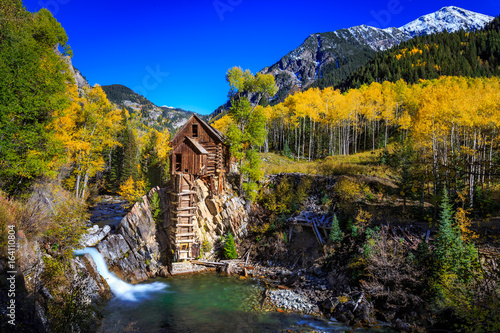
x,y
336,234
230,247
456,261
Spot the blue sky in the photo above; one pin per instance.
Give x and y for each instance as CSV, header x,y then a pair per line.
x,y
176,53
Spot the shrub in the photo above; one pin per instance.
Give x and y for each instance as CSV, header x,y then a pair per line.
x,y
336,234
132,190
351,227
350,191
66,227
10,214
206,246
391,277
155,206
230,247
362,219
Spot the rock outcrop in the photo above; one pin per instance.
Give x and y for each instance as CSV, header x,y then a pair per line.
x,y
33,297
141,247
220,214
95,235
133,251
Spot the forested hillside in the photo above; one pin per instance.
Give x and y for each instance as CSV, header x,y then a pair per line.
x,y
447,127
474,54
151,115
50,129
33,86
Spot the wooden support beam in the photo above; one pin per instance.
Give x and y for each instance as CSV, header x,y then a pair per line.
x,y
180,241
316,232
185,234
183,209
184,193
186,215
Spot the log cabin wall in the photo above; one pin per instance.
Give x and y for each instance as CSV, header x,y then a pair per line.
x,y
187,155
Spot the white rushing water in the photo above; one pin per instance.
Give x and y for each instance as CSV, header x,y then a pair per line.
x,y
121,289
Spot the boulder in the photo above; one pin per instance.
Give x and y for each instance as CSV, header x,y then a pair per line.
x,y
133,252
212,206
94,235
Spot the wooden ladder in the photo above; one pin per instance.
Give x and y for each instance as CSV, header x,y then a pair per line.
x,y
183,216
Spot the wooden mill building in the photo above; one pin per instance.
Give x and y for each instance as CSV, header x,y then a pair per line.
x,y
198,152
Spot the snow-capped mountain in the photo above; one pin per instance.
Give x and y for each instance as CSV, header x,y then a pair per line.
x,y
336,54
341,51
449,18
333,56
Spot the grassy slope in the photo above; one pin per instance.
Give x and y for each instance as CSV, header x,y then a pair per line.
x,y
366,163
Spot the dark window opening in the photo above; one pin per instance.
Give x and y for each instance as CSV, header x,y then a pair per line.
x,y
195,130
178,162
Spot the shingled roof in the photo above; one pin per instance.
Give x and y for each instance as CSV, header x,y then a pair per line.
x,y
198,146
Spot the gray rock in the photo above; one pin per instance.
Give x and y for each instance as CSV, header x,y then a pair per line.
x,y
94,235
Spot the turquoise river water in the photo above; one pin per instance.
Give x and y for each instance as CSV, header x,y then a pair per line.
x,y
206,303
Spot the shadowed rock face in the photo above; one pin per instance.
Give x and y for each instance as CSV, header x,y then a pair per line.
x,y
133,252
32,295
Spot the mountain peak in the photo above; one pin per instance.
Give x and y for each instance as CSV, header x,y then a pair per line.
x,y
450,18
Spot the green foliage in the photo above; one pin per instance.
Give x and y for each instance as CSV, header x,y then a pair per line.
x,y
151,166
456,262
286,150
28,64
125,157
248,129
336,233
229,247
155,206
351,227
472,54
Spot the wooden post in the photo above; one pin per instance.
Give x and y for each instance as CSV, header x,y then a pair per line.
x,y
316,232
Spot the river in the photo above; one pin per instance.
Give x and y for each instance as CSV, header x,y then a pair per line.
x,y
191,303
206,303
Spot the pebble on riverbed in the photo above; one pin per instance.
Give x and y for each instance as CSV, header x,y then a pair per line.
x,y
289,300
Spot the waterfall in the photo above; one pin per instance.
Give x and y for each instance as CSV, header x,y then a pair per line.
x,y
122,290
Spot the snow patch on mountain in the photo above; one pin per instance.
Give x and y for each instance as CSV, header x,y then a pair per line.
x,y
449,18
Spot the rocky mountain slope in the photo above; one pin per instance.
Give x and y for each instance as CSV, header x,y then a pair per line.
x,y
151,114
334,55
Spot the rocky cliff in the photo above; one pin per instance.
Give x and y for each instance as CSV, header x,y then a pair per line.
x,y
34,290
141,246
132,252
220,214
